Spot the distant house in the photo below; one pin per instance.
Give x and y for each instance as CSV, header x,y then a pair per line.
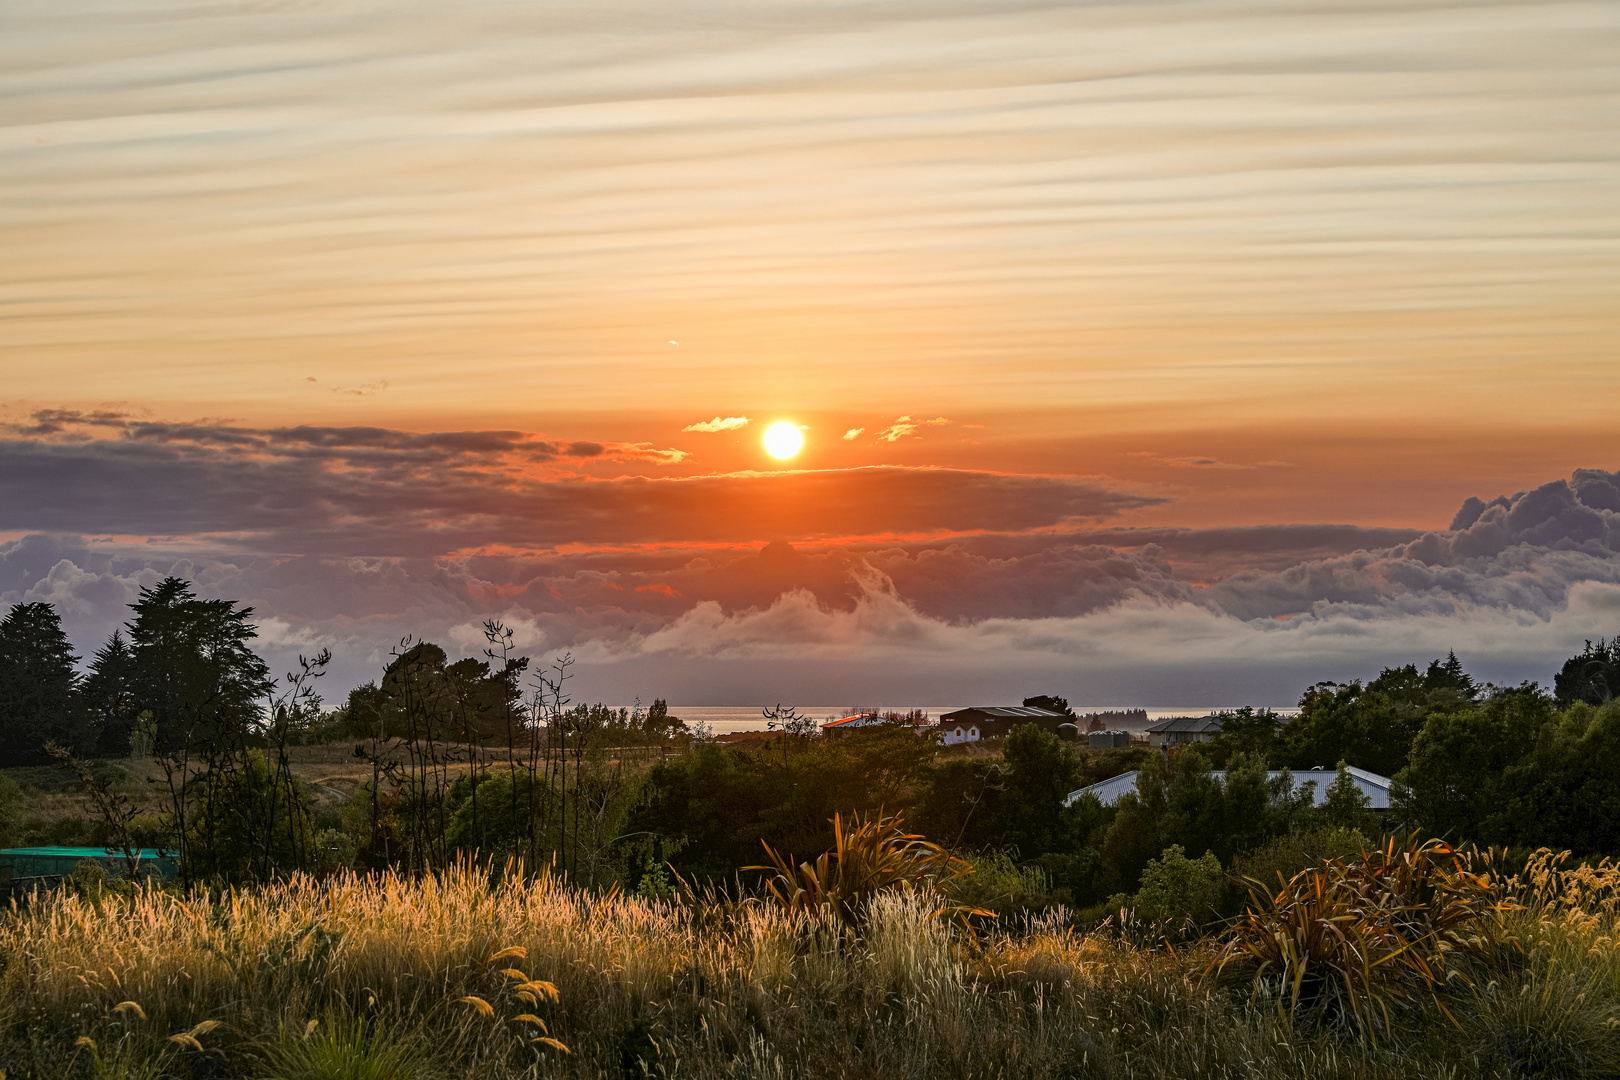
x,y
1181,730
1114,720
994,721
871,719
746,739
1375,787
1107,740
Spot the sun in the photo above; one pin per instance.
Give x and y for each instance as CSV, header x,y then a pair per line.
x,y
783,440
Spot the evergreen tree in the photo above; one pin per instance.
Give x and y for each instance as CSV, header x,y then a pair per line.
x,y
39,688
1448,674
109,696
1592,677
193,666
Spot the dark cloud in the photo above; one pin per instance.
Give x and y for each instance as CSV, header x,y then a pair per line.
x,y
1157,615
58,421
380,492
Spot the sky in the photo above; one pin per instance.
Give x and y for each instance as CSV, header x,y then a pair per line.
x,y
1147,353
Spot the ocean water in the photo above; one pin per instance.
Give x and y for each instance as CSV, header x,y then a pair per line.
x,y
725,718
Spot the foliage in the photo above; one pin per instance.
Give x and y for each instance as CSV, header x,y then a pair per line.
x,y
870,857
1042,770
115,809
39,688
1000,884
718,803
1281,858
251,824
1511,770
1361,725
1592,676
1049,701
194,669
109,695
1345,806
1352,941
11,804
344,1048
1178,894
1245,731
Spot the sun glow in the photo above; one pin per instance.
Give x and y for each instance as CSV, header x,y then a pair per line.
x,y
783,440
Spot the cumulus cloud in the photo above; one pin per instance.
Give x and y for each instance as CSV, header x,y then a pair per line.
x,y
1154,616
853,433
898,430
719,423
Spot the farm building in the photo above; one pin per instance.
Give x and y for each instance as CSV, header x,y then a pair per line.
x,y
1375,787
44,863
994,721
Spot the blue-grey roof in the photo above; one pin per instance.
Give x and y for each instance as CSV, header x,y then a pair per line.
x,y
1195,724
1005,712
1375,787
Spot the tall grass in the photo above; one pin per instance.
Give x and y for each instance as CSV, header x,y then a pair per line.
x,y
373,976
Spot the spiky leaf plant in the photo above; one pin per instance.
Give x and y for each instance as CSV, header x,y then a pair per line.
x,y
1352,940
869,856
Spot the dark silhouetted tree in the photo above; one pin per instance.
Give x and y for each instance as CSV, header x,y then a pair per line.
x,y
1448,675
1049,701
39,699
109,695
193,668
1593,676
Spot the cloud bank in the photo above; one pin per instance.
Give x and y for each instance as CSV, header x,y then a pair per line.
x,y
385,493
871,584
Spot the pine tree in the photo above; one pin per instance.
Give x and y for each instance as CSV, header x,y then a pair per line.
x,y
1592,677
193,667
109,695
1448,674
39,688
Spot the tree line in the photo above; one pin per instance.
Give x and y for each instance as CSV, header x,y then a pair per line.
x,y
482,754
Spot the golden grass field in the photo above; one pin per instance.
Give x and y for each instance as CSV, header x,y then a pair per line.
x,y
447,976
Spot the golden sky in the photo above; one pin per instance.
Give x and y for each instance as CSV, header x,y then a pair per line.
x,y
1122,217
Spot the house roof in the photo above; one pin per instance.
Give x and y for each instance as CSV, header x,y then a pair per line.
x,y
1194,724
1003,712
1375,787
859,720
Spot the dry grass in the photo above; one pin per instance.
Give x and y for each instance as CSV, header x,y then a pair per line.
x,y
391,978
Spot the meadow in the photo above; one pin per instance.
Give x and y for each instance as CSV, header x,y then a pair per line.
x,y
492,973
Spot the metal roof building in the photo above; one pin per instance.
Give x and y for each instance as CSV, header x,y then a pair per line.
x,y
990,721
1375,787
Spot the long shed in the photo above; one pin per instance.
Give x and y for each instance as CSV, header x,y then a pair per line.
x,y
17,864
1375,787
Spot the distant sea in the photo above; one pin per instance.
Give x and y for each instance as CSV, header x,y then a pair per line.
x,y
724,718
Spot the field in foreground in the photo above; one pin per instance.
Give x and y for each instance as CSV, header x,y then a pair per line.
x,y
454,976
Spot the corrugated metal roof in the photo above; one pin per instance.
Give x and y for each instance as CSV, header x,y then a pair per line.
x,y
1375,787
79,852
1004,712
1194,724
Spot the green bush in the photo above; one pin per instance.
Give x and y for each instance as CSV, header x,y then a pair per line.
x,y
1177,891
